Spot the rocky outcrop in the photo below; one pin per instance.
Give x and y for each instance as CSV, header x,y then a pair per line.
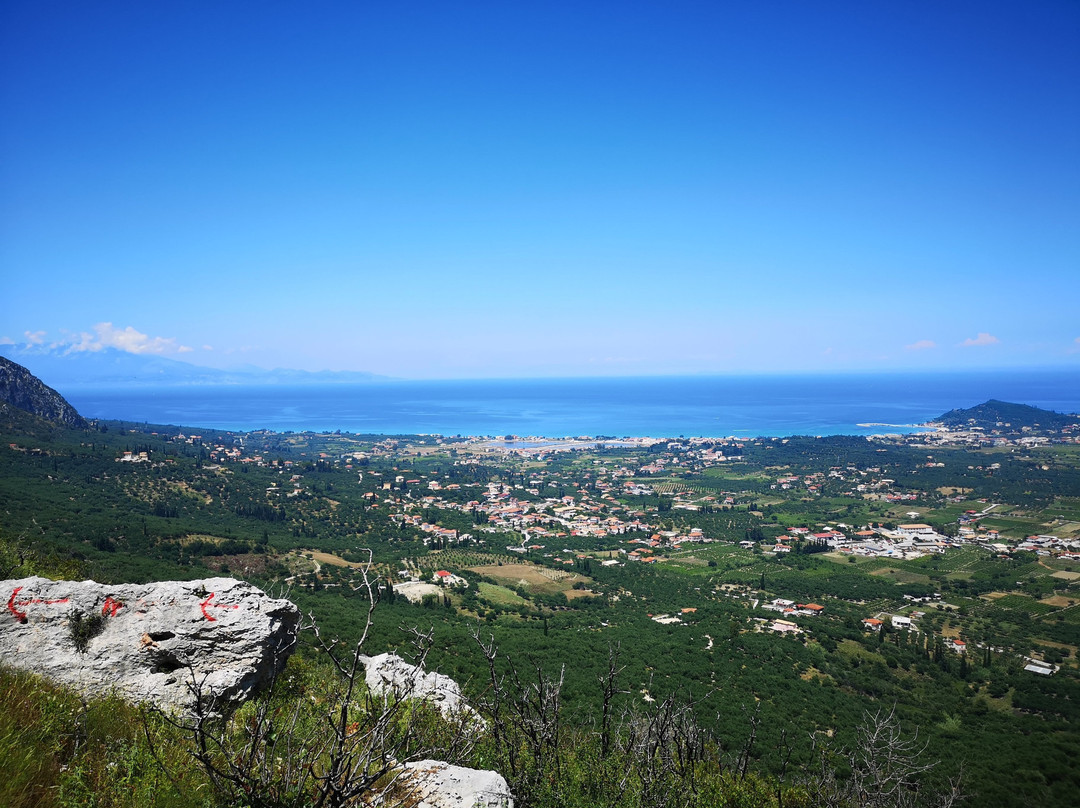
x,y
160,643
23,390
434,784
390,675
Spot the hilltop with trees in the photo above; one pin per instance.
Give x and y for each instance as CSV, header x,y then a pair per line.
x,y
1009,419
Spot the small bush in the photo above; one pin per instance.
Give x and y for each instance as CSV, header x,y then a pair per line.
x,y
83,628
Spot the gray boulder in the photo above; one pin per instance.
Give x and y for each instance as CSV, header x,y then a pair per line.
x,y
434,784
160,643
390,675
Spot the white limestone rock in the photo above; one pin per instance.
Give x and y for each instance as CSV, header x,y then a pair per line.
x,y
390,675
154,639
434,784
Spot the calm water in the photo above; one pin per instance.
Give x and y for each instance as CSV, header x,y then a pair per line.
x,y
657,407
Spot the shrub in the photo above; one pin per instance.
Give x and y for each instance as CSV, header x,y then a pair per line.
x,y
83,628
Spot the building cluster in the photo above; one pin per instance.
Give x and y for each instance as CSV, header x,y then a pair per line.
x,y
977,437
790,608
911,541
645,549
904,543
1052,546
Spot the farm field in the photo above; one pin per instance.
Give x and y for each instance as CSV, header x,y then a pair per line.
x,y
533,577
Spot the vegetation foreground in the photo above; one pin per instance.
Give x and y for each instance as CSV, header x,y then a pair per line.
x,y
319,738
612,611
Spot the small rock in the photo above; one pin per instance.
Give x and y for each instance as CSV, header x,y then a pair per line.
x,y
434,784
390,675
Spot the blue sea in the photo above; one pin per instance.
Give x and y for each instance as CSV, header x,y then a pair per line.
x,y
715,406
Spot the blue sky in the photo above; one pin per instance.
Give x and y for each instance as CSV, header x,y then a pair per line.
x,y
544,189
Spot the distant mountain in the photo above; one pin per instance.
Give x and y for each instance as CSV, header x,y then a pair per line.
x,y
19,388
1008,418
112,366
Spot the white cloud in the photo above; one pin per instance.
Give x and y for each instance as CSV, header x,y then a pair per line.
x,y
34,337
981,339
208,347
6,341
124,339
921,345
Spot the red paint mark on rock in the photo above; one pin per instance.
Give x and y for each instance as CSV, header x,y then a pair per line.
x,y
20,616
13,604
111,607
206,604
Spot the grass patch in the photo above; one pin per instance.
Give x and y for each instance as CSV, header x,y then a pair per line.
x,y
964,559
688,560
1067,530
1059,601
500,595
901,576
56,751
855,651
813,673
331,559
571,594
1023,603
864,563
1013,526
1065,575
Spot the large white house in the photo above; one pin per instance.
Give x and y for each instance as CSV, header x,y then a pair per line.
x,y
912,531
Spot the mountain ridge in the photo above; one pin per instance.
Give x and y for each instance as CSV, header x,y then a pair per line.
x,y
23,390
113,366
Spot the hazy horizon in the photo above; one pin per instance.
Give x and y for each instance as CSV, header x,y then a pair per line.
x,y
31,360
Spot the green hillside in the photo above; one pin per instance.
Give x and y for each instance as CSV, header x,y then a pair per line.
x,y
1009,418
748,711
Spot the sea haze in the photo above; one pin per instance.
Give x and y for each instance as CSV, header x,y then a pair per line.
x,y
654,406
